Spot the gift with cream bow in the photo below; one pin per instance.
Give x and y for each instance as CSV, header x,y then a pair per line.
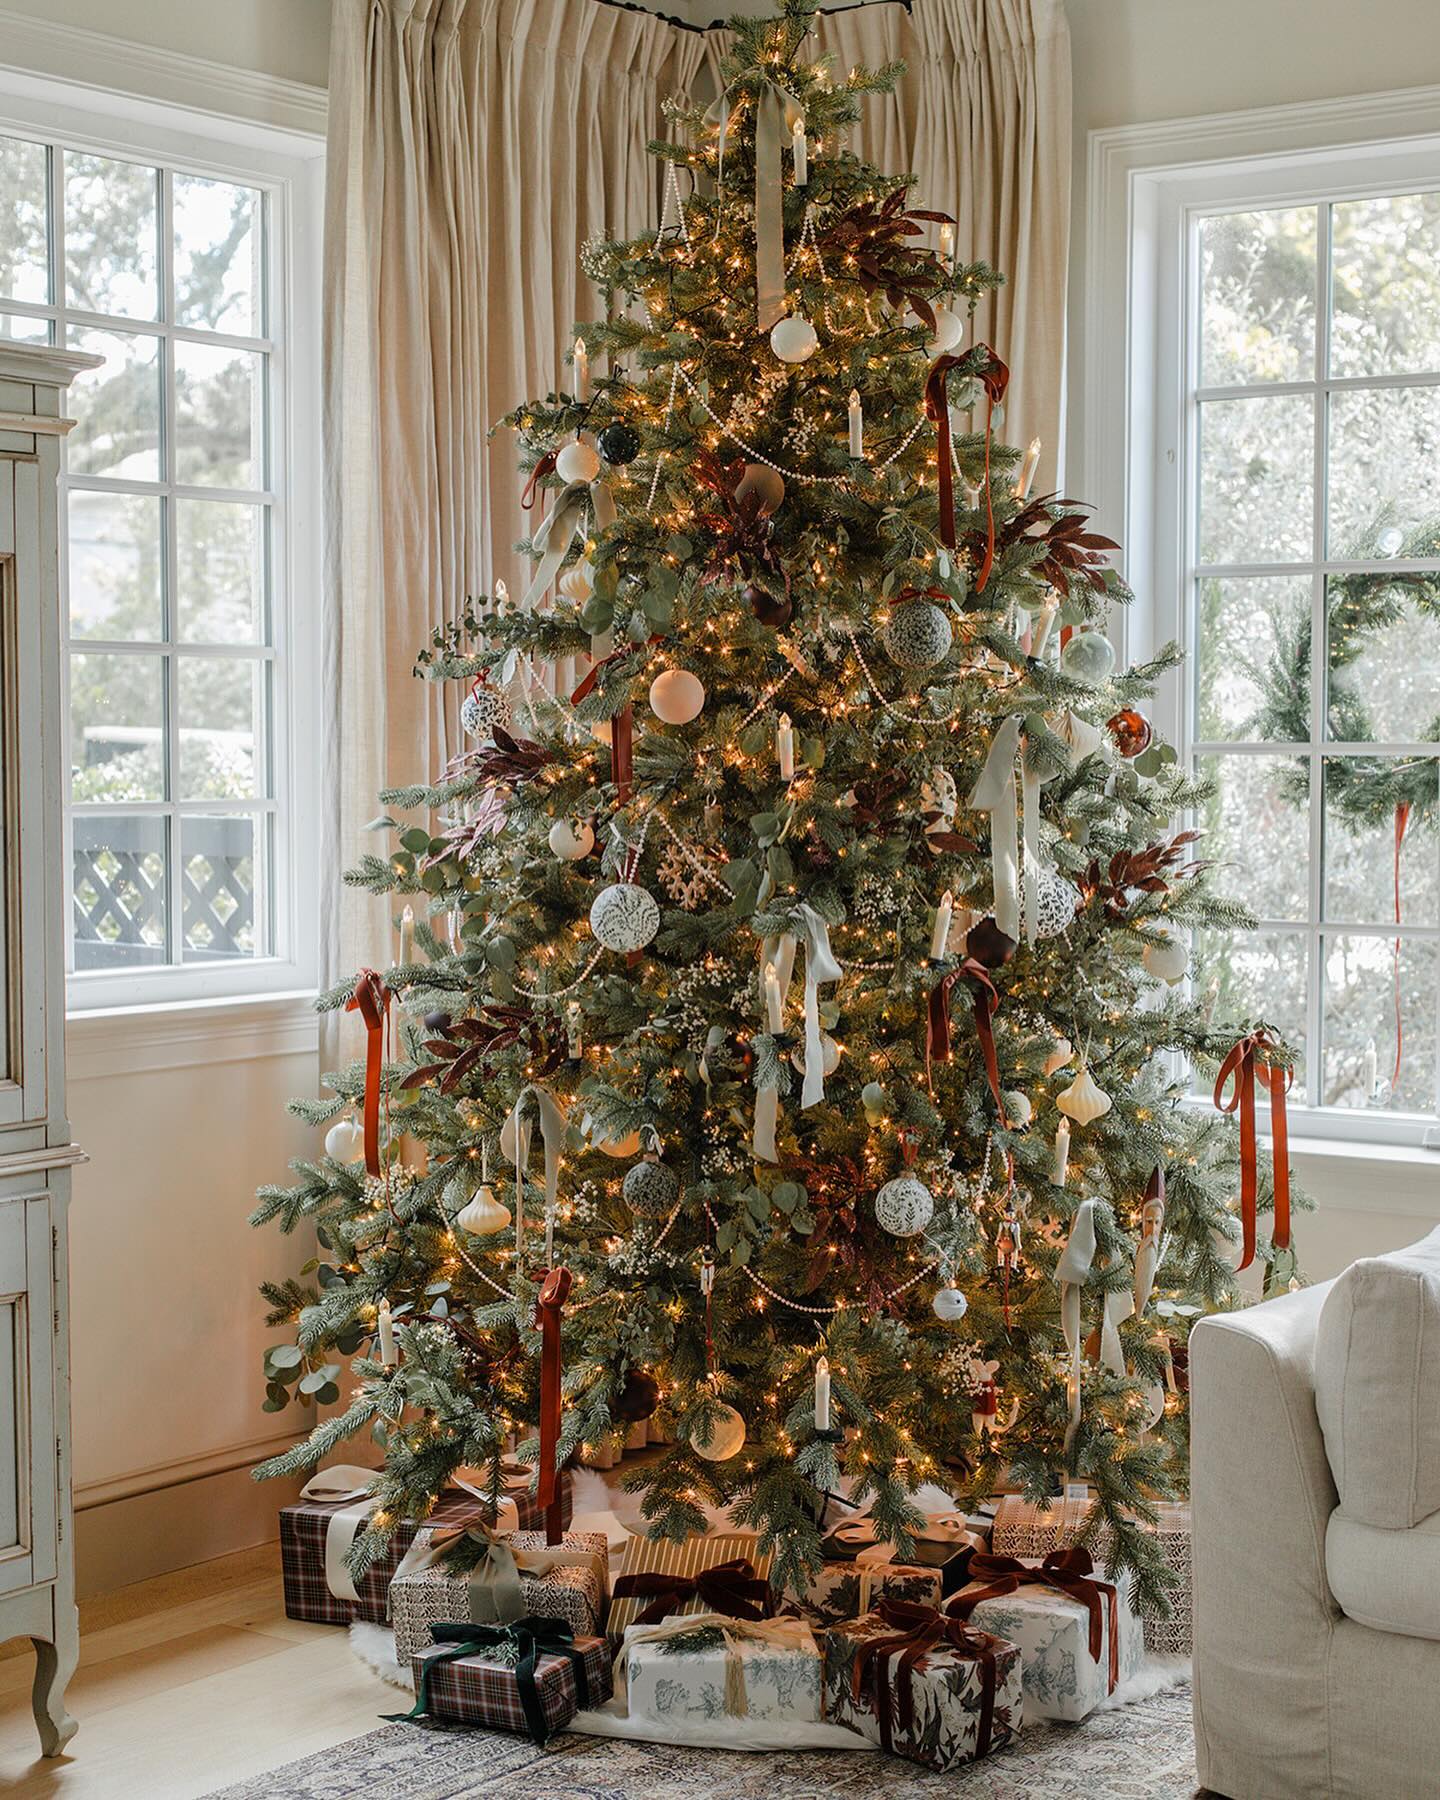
x,y
922,1685
318,1532
724,1573
1078,1635
705,1666
492,1578
861,1568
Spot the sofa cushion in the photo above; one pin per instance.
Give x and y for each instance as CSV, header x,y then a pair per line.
x,y
1377,1378
1388,1580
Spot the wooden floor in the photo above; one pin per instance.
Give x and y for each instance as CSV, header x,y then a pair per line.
x,y
187,1683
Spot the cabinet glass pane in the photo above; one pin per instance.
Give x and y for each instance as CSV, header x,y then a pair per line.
x,y
1257,297
220,727
119,889
117,407
218,274
219,416
1257,473
111,236
115,584
117,724
224,885
24,222
1386,279
220,578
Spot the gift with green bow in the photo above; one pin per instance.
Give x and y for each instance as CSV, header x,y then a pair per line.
x,y
531,1674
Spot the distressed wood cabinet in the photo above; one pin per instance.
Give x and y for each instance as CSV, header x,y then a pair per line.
x,y
37,1579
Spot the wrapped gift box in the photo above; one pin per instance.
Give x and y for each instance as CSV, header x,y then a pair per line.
x,y
1025,1529
962,1699
703,1666
1078,1646
844,1589
466,1682
724,1574
316,1534
439,1593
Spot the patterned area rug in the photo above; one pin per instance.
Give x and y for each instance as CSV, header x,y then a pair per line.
x,y
1139,1752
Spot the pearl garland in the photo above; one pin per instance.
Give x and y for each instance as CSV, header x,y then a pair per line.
x,y
560,993
905,718
821,1311
660,458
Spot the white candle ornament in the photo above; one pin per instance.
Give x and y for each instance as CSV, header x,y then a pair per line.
x,y
1062,1153
797,145
785,747
389,1355
947,242
407,937
857,424
822,1395
582,370
1027,469
940,936
774,1001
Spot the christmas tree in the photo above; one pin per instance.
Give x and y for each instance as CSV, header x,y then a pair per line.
x,y
830,926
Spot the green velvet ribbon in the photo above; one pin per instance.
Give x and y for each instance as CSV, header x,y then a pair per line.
x,y
532,1638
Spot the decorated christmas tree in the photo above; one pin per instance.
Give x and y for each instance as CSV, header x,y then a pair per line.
x,y
789,1036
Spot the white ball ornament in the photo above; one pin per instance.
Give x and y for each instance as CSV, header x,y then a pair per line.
x,y
950,1305
917,636
651,1188
1088,657
1018,1110
725,1438
793,340
1167,959
829,1055
571,839
1056,902
676,696
577,461
482,709
949,329
625,917
904,1206
345,1140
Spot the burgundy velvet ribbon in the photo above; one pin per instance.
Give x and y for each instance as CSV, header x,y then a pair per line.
x,y
915,1631
554,1291
545,466
1243,1065
730,1587
371,1000
1069,1571
985,1000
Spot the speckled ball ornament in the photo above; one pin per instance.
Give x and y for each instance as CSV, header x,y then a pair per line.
x,y
950,1305
1056,903
904,1206
625,917
1088,657
482,709
618,443
726,1437
650,1188
571,839
577,461
793,340
918,636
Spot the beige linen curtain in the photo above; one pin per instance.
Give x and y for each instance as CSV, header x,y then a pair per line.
x,y
982,119
474,146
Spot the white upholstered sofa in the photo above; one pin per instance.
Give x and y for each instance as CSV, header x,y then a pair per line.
x,y
1316,1507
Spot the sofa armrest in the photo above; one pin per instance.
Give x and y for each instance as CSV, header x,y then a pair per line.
x,y
1261,1496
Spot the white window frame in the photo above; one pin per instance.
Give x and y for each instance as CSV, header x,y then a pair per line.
x,y
1148,187
289,166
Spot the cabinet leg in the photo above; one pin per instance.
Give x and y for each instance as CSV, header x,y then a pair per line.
x,y
54,1665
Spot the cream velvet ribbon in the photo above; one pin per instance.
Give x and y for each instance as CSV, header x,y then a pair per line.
x,y
515,1136
995,793
553,537
777,113
770,1634
1074,1265
496,1595
778,957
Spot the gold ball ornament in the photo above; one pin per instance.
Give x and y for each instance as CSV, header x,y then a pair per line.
x,y
725,1438
676,696
577,461
628,1145
571,839
793,340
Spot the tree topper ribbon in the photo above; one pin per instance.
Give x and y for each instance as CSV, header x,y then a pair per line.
x,y
775,107
995,793
1245,1062
914,1631
371,1000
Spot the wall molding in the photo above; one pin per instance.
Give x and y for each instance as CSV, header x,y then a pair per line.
x,y
112,65
145,1040
90,1494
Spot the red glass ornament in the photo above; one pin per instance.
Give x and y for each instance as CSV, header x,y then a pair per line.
x,y
1131,731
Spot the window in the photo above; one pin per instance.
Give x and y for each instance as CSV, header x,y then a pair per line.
x,y
181,541
1282,468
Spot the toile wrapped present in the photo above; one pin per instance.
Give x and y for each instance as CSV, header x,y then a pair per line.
x,y
493,1578
1078,1634
318,1531
1028,1529
923,1685
531,1675
722,1574
862,1568
705,1666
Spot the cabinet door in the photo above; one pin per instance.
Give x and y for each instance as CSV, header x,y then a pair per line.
x,y
27,1402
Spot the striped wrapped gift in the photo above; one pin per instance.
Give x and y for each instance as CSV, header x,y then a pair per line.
x,y
740,1570
316,1533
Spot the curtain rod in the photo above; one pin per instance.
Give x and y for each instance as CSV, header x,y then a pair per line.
x,y
719,24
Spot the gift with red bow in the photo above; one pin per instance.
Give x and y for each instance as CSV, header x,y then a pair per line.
x,y
725,1574
923,1685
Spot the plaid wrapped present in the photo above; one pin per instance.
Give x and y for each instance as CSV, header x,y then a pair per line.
x,y
532,1675
1076,1632
316,1534
922,1685
1025,1529
659,1579
703,1666
517,1575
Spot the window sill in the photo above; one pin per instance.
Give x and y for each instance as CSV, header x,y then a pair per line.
x,y
105,1042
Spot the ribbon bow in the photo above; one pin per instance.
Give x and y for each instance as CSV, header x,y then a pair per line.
x,y
913,1632
554,1291
494,1592
994,793
371,1000
775,107
731,1588
769,1634
1245,1062
1069,1572
532,1638
778,957
994,377
553,537
986,1001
